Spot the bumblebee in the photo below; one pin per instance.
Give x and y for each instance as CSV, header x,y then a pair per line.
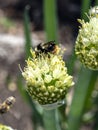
x,y
7,104
46,48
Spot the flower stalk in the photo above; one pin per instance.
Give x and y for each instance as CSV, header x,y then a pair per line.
x,y
50,119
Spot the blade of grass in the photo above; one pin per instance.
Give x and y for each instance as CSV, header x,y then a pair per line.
x,y
28,42
71,62
84,8
22,89
50,20
81,95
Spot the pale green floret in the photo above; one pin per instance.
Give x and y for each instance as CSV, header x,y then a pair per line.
x,y
93,12
3,127
47,78
86,47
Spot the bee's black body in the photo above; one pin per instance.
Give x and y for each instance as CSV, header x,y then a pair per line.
x,y
6,105
49,47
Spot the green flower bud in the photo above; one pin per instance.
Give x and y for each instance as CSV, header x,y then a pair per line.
x,y
47,78
4,127
86,47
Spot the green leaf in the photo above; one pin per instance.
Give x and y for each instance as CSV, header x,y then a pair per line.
x,y
28,43
50,20
85,8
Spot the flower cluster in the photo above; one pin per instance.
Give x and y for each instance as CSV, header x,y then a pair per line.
x,y
47,78
3,127
86,47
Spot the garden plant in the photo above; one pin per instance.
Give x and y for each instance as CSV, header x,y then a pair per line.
x,y
48,78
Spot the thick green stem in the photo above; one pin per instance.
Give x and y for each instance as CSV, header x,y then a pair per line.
x,y
51,121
